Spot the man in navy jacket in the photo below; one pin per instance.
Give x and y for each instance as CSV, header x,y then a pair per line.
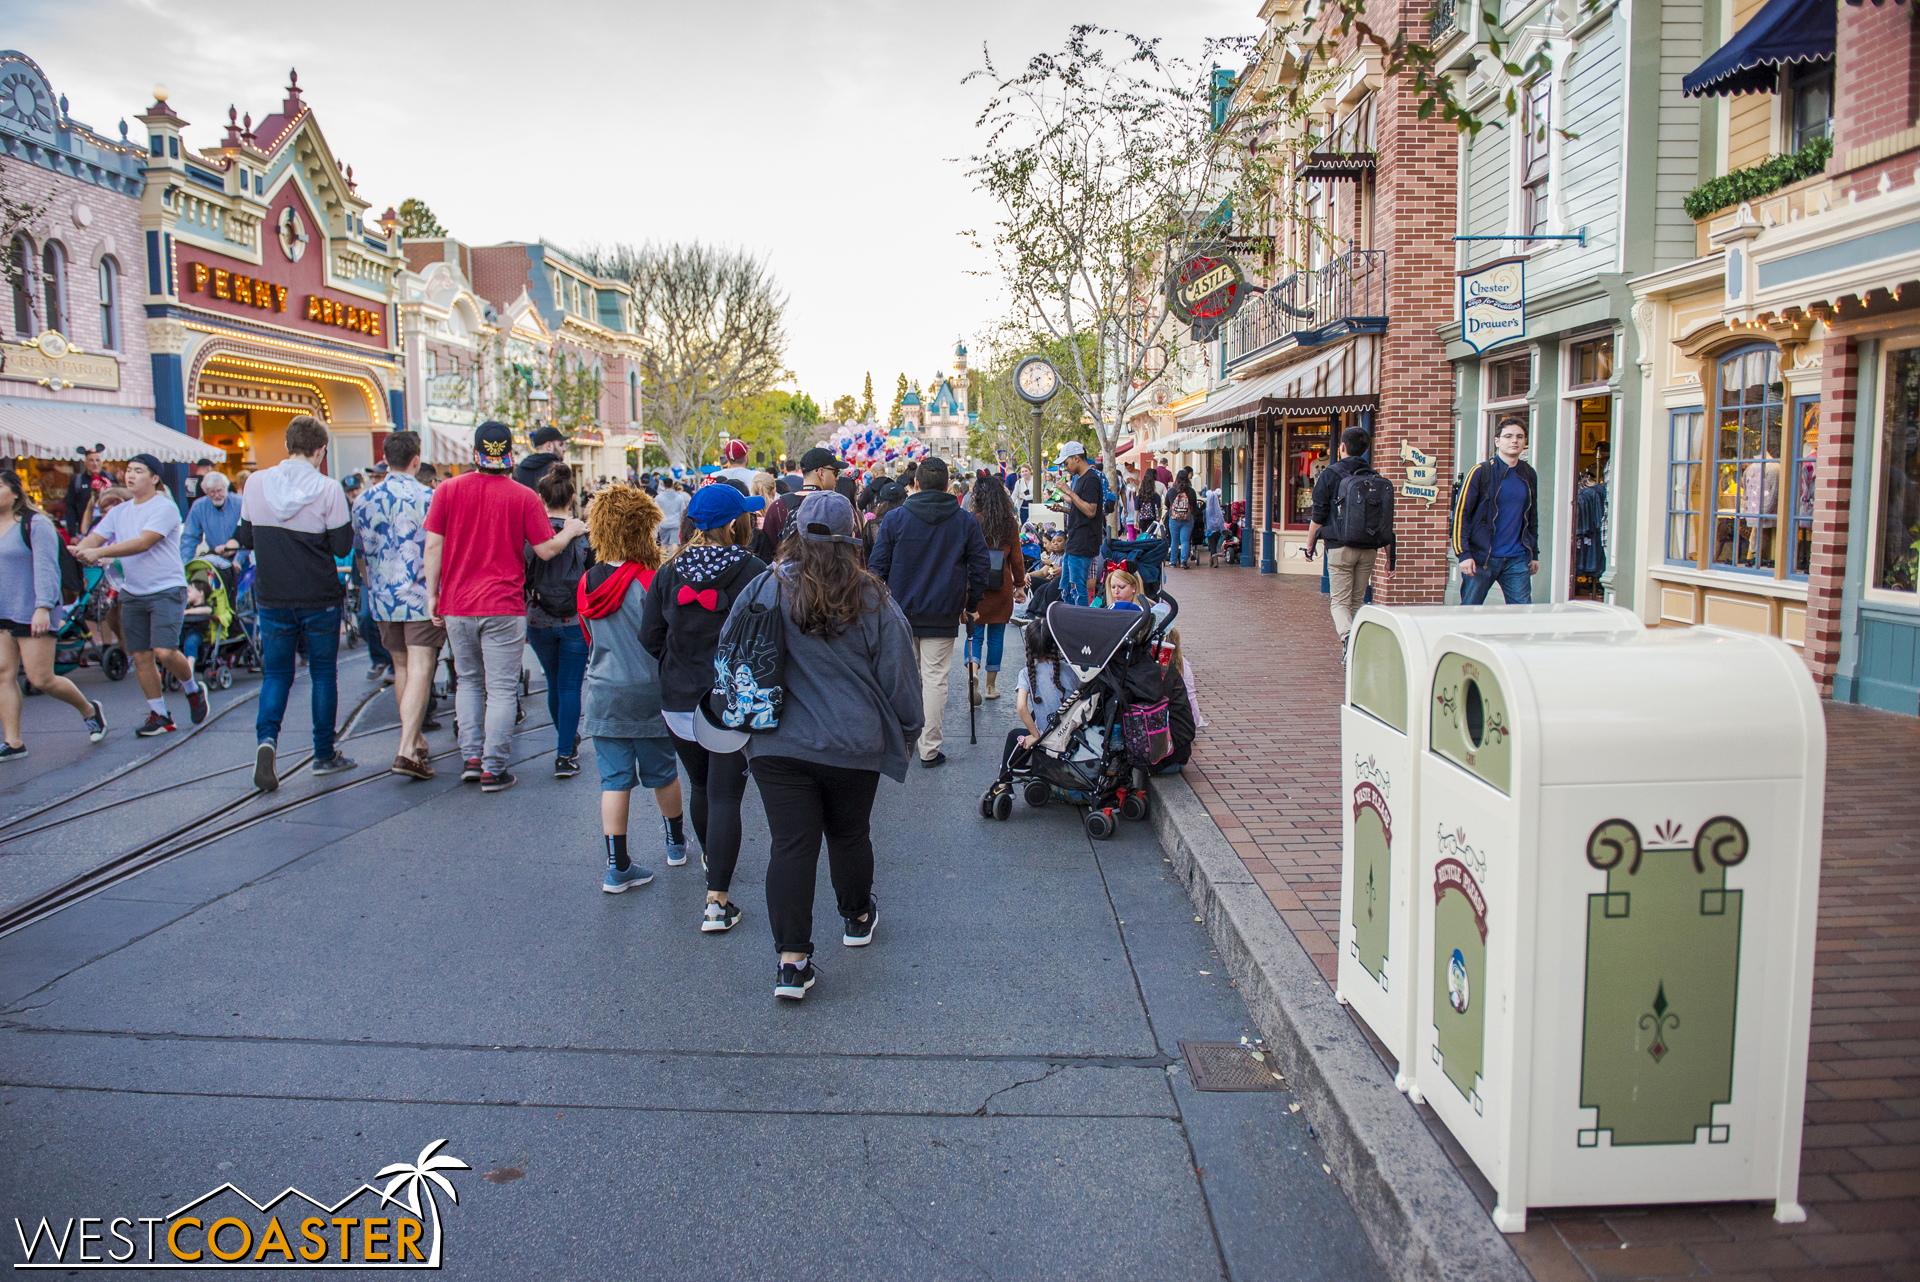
x,y
933,559
1496,525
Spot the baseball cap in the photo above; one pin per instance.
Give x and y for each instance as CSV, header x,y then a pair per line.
x,y
542,435
147,461
352,482
827,517
493,442
713,506
1067,450
816,458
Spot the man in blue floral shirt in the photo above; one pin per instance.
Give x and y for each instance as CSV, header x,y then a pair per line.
x,y
389,529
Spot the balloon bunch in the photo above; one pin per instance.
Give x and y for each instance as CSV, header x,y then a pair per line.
x,y
866,447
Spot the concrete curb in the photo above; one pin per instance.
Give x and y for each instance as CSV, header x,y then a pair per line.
x,y
1421,1217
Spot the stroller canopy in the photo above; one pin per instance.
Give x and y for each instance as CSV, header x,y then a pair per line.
x,y
1088,638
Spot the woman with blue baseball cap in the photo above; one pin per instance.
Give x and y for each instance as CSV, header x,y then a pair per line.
x,y
686,608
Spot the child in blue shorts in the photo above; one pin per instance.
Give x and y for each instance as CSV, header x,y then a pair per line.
x,y
620,701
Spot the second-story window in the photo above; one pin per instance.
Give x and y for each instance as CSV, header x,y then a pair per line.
x,y
22,273
1536,134
109,304
1810,102
53,262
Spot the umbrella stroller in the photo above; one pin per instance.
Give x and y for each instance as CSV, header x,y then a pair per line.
x,y
1145,557
75,644
1099,746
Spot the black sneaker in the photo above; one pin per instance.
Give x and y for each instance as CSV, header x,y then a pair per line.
x,y
10,753
497,782
337,764
155,724
264,777
97,723
794,981
197,705
719,917
431,723
858,933
470,771
937,759
566,766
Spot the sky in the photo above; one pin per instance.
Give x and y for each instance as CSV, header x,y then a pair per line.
x,y
825,136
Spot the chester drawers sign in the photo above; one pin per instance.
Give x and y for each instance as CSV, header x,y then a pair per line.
x,y
1493,303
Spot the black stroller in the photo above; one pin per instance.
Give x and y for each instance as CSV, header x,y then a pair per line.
x,y
1097,749
1146,557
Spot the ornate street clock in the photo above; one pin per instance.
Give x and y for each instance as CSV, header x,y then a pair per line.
x,y
1036,380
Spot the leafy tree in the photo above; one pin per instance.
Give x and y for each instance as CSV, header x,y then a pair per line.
x,y
416,220
715,325
804,411
897,417
846,409
20,217
1006,420
866,400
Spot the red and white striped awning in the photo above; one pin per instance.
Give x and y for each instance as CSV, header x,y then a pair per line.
x,y
1343,378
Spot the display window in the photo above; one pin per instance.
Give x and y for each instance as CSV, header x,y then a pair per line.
x,y
1896,483
1686,486
1306,452
1749,431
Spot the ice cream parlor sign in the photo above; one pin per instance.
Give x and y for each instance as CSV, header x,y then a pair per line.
x,y
1493,303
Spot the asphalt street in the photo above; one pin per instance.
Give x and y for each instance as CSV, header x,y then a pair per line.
x,y
993,1089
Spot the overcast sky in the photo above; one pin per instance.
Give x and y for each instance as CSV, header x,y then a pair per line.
x,y
820,134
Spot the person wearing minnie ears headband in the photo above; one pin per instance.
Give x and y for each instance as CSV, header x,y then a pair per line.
x,y
620,703
31,608
852,705
685,609
144,536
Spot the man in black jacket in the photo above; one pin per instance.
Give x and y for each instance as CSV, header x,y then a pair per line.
x,y
1349,569
294,517
530,469
88,480
933,558
1496,525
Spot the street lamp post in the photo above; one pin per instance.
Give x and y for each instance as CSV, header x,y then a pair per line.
x,y
1037,382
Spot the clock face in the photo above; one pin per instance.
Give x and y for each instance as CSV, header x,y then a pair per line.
x,y
1037,379
293,234
24,98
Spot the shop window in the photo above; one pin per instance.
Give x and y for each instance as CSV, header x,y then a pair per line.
x,y
53,268
1686,485
1810,102
1510,379
1590,362
109,304
20,273
1536,139
1747,461
1896,530
1806,455
1308,451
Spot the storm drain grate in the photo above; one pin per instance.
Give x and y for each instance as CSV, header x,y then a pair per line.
x,y
1228,1066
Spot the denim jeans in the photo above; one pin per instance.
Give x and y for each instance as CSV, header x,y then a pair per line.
x,y
279,632
1182,540
1074,571
996,641
1509,571
563,657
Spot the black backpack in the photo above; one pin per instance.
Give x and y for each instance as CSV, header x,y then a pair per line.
x,y
1363,511
555,585
750,665
72,581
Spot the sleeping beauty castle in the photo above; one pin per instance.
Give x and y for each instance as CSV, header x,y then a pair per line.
x,y
939,416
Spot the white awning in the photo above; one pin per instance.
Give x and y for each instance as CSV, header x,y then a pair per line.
x,y
443,443
61,431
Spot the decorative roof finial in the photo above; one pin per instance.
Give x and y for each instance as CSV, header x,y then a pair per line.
x,y
63,106
246,126
123,129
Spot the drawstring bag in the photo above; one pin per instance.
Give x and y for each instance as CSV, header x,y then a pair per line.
x,y
1148,728
750,666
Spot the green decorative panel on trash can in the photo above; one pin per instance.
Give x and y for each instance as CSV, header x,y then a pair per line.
x,y
1380,675
1470,723
1372,877
1662,982
1460,966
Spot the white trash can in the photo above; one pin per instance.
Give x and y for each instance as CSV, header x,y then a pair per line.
x,y
1619,862
1382,734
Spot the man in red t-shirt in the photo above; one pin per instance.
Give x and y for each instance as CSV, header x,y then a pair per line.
x,y
477,531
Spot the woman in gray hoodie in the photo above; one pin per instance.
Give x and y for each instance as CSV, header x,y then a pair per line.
x,y
852,706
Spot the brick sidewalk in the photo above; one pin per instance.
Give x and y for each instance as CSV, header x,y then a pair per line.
x,y
1268,770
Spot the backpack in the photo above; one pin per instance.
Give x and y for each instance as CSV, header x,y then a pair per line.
x,y
71,579
996,569
1181,509
750,665
1363,511
555,585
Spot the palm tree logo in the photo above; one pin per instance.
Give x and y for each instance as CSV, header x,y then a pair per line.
x,y
414,1177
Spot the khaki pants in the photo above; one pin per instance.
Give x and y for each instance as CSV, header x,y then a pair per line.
x,y
1348,570
935,657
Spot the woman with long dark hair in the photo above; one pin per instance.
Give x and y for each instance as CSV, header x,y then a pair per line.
x,y
553,620
1146,504
1183,505
852,706
987,630
687,605
31,610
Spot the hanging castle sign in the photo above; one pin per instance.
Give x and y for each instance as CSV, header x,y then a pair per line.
x,y
1493,303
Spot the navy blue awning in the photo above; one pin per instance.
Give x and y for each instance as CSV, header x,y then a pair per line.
x,y
1783,31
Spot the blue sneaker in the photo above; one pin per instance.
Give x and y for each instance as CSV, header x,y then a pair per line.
x,y
617,881
676,850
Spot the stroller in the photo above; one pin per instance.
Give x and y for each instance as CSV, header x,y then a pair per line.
x,y
225,640
75,645
1097,749
1146,557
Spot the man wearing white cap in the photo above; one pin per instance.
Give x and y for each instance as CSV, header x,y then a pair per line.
x,y
1084,504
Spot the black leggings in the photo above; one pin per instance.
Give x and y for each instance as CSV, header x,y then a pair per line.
x,y
1013,757
718,781
805,801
